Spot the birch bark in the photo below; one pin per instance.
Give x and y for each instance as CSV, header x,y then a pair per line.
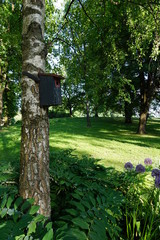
x,y
34,160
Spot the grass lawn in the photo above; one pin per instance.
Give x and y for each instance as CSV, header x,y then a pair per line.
x,y
109,140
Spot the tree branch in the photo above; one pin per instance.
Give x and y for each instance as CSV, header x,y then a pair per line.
x,y
65,16
87,13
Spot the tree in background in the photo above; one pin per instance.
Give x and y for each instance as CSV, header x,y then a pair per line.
x,y
144,26
121,41
10,57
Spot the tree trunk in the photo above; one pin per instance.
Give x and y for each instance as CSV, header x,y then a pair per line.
x,y
34,162
144,108
96,111
128,113
70,110
96,114
69,105
142,123
88,117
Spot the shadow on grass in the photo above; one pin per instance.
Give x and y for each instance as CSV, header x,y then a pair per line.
x,y
9,159
10,143
72,128
109,129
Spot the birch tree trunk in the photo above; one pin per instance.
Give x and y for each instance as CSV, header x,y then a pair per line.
x,y
34,162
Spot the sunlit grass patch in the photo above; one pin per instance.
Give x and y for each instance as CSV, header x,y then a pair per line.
x,y
109,140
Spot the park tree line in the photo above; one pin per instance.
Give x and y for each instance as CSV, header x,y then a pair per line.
x,y
108,50
10,58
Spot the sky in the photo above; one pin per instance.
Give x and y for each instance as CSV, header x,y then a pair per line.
x,y
58,3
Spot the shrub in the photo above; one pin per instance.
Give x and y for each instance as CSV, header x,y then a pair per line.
x,y
85,197
19,220
56,114
18,217
91,202
142,210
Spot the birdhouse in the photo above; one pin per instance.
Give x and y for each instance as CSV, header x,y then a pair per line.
x,y
50,89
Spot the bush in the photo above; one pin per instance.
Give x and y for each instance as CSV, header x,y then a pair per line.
x,y
91,202
56,114
86,203
142,209
19,220
18,217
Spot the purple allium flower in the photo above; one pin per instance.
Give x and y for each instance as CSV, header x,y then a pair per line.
x,y
140,168
156,172
157,181
128,165
148,161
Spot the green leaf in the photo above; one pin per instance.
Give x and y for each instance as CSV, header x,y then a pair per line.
x,y
31,228
24,221
18,202
91,214
49,226
61,230
21,237
72,212
86,204
92,200
4,200
34,209
39,218
3,212
77,196
10,200
27,238
27,204
78,205
81,223
48,235
95,236
66,217
99,200
16,216
75,234
99,228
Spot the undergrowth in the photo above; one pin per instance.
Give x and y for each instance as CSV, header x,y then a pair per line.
x,y
19,220
86,201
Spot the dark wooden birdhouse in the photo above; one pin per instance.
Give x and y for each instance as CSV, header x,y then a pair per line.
x,y
50,89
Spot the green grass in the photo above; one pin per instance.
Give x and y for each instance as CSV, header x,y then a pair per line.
x,y
109,140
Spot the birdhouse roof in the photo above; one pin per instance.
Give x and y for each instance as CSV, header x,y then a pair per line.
x,y
51,74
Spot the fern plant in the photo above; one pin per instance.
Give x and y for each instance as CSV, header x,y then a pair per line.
x,y
19,220
89,203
